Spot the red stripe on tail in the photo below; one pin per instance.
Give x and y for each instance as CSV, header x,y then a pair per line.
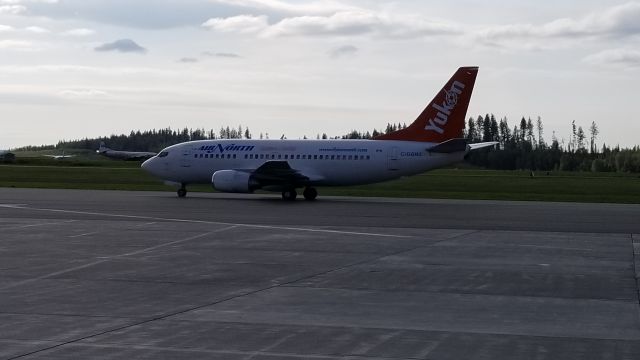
x,y
444,117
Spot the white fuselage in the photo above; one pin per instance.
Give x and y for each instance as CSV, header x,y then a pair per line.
x,y
324,162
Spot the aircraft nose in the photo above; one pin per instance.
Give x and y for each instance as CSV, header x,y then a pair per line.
x,y
147,165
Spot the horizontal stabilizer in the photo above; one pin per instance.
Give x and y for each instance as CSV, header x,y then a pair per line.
x,y
450,146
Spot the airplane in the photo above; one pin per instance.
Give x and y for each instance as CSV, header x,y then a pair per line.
x,y
60,157
433,140
124,155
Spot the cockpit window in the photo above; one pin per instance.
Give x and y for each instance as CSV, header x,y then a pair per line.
x,y
163,154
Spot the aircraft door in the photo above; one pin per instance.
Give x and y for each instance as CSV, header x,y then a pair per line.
x,y
187,155
392,159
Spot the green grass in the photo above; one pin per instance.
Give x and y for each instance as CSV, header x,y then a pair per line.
x,y
445,183
507,185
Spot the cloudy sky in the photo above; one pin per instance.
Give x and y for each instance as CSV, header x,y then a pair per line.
x,y
84,68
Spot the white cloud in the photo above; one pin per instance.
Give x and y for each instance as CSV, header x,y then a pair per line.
x,y
78,32
13,2
37,30
621,20
615,58
79,69
18,7
342,23
12,9
82,93
243,24
17,45
311,8
187,60
6,28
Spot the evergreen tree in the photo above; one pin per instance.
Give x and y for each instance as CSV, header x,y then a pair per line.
x,y
540,129
523,130
593,130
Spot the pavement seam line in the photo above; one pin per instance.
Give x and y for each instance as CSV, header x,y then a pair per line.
x,y
108,258
249,293
40,224
374,259
249,354
258,226
635,270
123,326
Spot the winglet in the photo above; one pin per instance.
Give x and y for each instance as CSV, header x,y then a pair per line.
x,y
443,119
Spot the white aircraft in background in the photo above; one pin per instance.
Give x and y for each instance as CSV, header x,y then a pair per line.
x,y
124,155
60,157
433,140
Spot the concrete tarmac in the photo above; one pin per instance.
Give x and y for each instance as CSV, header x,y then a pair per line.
x,y
145,275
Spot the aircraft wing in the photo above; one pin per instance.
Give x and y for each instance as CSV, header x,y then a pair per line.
x,y
457,145
449,146
59,156
279,173
138,156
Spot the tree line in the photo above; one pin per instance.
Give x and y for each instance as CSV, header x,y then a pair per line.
x,y
521,147
524,147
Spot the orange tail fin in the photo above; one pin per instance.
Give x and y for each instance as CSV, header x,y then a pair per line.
x,y
444,117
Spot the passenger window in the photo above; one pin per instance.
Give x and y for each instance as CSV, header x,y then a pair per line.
x,y
246,156
368,157
344,157
320,157
234,156
228,156
195,155
286,156
350,157
315,157
304,157
333,157
298,156
273,156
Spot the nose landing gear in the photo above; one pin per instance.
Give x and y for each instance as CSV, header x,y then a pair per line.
x,y
182,192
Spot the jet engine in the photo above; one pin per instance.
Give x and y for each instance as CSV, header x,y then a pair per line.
x,y
233,181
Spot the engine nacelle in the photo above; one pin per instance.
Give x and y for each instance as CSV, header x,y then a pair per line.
x,y
233,181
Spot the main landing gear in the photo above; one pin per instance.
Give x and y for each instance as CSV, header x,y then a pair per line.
x,y
289,194
309,194
182,192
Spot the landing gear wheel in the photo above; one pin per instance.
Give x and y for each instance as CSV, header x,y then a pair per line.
x,y
310,194
289,195
182,192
